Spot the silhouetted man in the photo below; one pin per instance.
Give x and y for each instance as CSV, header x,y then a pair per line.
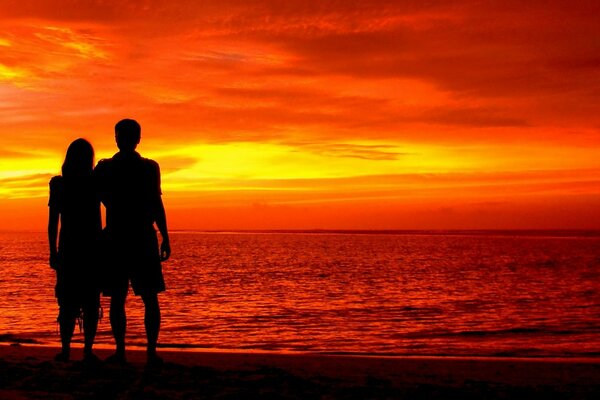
x,y
130,190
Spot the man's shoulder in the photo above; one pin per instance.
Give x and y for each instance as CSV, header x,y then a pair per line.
x,y
149,163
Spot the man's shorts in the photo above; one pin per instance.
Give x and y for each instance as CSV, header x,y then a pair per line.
x,y
135,258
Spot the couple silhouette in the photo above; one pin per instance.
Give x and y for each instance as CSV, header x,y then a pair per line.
x,y
90,260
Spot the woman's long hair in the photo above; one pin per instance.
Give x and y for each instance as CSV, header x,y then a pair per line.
x,y
79,161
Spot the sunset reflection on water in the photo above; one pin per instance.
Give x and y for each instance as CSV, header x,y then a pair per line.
x,y
357,293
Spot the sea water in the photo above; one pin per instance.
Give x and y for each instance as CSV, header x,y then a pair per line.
x,y
409,293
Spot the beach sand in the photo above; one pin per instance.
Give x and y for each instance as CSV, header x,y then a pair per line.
x,y
29,372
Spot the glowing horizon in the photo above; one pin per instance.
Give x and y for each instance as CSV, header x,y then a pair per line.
x,y
362,115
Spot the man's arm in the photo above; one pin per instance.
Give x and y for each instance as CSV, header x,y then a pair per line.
x,y
161,223
99,176
160,216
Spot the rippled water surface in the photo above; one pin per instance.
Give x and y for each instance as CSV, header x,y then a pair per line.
x,y
469,294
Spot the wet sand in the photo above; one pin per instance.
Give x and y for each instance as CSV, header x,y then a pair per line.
x,y
30,372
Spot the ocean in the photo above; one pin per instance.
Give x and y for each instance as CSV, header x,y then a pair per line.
x,y
521,294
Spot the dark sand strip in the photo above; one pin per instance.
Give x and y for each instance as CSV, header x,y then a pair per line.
x,y
29,372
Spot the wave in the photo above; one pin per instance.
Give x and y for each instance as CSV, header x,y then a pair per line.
x,y
17,339
514,353
516,331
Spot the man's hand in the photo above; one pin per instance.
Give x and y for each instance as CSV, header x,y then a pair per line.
x,y
54,261
165,250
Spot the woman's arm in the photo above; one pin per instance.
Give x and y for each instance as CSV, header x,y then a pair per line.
x,y
53,236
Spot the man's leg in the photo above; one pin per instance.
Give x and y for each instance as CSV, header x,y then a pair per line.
x,y
90,323
151,322
118,323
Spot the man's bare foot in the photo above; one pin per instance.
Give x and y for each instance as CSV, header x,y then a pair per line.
x,y
63,356
91,359
117,359
154,360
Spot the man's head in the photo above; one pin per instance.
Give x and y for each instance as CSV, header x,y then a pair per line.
x,y
127,134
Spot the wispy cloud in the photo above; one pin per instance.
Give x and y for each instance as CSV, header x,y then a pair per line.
x,y
350,150
24,186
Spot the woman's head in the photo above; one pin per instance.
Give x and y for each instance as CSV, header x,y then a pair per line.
x,y
79,160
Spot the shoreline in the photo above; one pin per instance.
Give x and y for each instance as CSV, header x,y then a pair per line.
x,y
28,369
135,347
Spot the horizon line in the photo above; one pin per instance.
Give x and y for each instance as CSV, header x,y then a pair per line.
x,y
435,231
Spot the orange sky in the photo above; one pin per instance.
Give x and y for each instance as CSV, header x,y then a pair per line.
x,y
329,114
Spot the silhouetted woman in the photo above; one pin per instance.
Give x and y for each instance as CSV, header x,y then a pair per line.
x,y
74,201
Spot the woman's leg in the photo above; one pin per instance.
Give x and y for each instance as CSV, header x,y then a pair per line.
x,y
66,320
